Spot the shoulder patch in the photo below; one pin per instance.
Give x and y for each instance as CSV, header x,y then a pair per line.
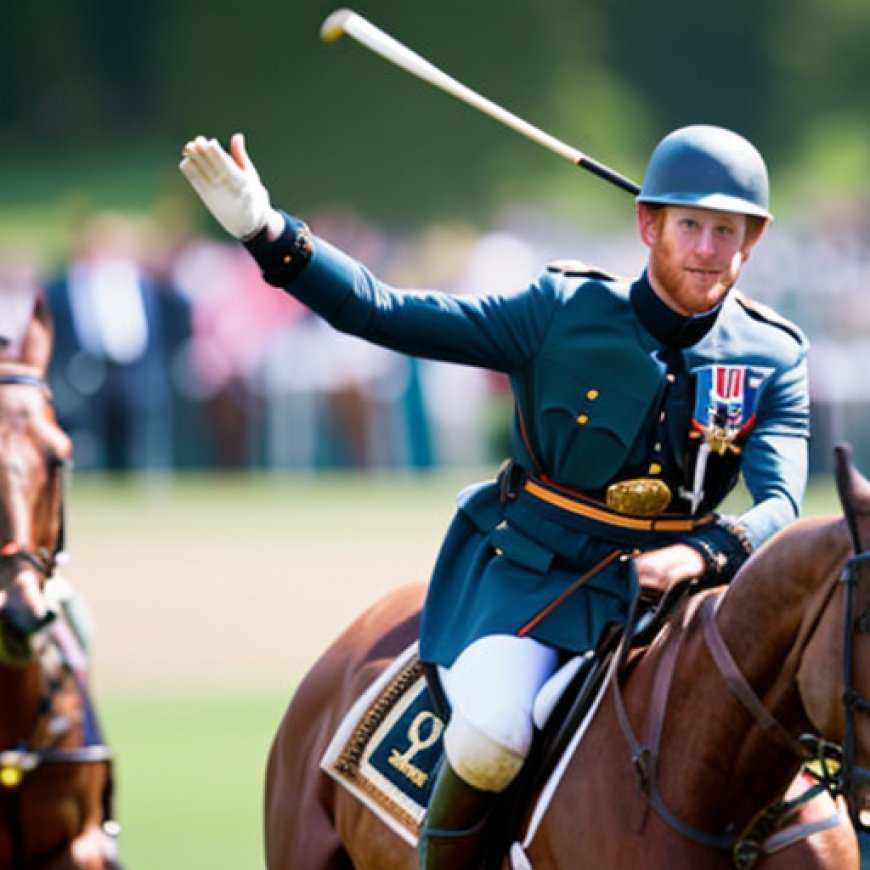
x,y
759,311
579,269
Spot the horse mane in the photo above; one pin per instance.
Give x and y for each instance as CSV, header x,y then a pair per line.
x,y
854,492
794,562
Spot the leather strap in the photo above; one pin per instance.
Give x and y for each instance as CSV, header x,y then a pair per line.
x,y
645,755
741,689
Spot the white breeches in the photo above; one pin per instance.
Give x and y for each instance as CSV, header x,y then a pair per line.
x,y
491,688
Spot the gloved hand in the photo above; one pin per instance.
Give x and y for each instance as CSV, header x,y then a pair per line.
x,y
228,184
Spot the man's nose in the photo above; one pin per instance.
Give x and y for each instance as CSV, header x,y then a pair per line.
x,y
705,243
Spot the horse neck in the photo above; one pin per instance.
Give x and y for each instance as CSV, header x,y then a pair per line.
x,y
42,702
21,698
772,608
764,621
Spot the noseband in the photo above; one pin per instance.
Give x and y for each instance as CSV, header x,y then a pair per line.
x,y
855,779
21,376
14,551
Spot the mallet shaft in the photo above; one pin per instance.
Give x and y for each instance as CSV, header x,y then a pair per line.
x,y
345,21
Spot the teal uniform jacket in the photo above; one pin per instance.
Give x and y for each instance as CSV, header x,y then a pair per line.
x,y
609,385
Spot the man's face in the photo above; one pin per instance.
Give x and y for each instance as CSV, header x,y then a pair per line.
x,y
695,254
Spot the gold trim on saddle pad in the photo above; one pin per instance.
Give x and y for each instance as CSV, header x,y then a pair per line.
x,y
602,514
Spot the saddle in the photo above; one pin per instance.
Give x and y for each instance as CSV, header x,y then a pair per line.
x,y
388,748
564,723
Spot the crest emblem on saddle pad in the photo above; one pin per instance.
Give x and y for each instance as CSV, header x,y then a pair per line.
x,y
726,399
387,749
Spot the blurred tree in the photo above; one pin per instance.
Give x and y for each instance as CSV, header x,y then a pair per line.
x,y
122,86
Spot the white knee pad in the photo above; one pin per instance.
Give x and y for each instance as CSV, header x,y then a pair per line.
x,y
492,687
481,761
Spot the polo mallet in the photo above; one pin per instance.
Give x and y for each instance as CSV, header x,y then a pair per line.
x,y
346,21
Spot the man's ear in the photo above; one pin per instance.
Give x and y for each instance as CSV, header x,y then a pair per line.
x,y
755,229
648,223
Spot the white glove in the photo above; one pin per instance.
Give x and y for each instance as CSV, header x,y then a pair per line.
x,y
228,184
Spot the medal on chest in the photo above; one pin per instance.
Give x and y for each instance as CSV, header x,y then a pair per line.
x,y
726,404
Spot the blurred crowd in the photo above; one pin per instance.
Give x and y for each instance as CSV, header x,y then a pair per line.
x,y
170,352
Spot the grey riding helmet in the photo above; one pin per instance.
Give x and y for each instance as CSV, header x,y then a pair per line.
x,y
707,167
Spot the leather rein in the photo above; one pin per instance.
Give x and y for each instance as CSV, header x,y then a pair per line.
x,y
59,656
748,845
855,779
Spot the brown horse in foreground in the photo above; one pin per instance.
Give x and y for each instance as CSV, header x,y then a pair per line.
x,y
53,781
717,765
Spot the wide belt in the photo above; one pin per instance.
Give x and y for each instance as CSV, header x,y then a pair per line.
x,y
583,506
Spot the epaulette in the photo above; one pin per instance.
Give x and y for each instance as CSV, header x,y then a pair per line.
x,y
760,311
579,269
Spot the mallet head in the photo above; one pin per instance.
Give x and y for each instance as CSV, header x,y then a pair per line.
x,y
332,28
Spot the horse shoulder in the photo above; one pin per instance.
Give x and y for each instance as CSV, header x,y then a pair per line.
x,y
303,806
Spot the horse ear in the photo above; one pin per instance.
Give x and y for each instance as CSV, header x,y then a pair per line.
x,y
854,491
38,341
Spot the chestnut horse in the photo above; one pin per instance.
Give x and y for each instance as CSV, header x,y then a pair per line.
x,y
694,740
55,779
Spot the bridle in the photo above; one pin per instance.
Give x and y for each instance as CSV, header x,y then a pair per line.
x,y
45,559
43,563
61,652
855,780
836,769
745,846
58,658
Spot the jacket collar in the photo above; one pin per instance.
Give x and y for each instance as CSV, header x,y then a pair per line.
x,y
666,325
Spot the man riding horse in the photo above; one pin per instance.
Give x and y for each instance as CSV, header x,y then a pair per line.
x,y
638,404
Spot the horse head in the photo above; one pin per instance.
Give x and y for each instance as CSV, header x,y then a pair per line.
x,y
33,453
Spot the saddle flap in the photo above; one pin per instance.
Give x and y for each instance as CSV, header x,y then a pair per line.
x,y
854,492
387,748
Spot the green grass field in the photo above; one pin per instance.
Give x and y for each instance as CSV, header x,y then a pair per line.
x,y
190,777
211,596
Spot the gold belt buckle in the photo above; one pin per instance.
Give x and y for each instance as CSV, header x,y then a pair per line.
x,y
641,497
